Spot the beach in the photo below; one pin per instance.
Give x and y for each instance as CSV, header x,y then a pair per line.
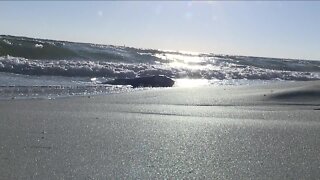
x,y
268,131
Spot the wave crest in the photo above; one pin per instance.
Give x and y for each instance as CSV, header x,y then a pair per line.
x,y
126,70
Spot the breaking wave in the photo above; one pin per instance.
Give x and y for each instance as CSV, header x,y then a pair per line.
x,y
127,70
32,56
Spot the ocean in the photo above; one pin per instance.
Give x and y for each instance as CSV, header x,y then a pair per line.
x,y
41,68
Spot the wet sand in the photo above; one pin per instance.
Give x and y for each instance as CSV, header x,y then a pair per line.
x,y
247,132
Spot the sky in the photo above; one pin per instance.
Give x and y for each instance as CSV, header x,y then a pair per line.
x,y
285,29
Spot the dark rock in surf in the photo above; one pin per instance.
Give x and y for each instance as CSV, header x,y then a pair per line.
x,y
150,81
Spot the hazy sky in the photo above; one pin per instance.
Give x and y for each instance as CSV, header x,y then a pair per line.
x,y
275,29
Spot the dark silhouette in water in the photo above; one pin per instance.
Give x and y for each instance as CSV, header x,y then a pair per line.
x,y
150,81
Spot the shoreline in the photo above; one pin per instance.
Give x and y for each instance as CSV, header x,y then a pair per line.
x,y
33,91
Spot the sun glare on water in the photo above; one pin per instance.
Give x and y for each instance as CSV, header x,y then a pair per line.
x,y
185,60
191,82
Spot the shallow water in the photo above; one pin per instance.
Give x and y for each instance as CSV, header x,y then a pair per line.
x,y
17,86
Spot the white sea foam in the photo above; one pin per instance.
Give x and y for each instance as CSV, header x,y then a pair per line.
x,y
38,45
214,69
7,41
